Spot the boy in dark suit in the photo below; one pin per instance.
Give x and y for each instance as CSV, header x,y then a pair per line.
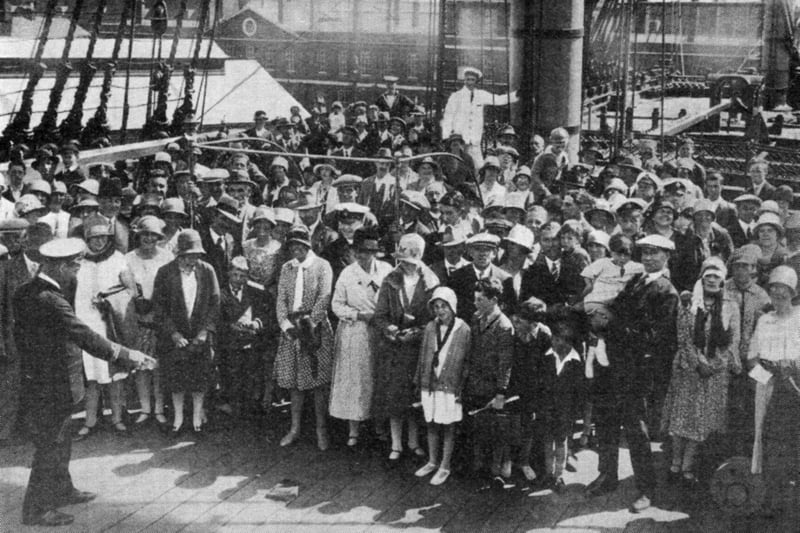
x,y
483,249
246,319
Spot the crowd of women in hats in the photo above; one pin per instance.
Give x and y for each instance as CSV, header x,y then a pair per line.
x,y
469,325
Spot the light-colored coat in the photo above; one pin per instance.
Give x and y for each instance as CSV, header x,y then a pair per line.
x,y
466,117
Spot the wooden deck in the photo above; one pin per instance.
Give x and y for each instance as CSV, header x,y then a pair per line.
x,y
235,479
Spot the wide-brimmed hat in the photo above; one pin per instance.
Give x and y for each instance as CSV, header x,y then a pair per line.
x,y
415,199
28,203
516,200
491,162
241,177
599,237
150,224
284,215
748,254
174,206
228,207
704,206
521,236
769,206
785,275
189,242
263,213
280,161
455,237
40,186
86,203
298,234
91,186
97,226
318,167
601,206
410,249
616,184
769,219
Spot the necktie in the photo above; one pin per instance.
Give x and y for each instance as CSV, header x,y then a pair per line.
x,y
555,270
749,232
471,96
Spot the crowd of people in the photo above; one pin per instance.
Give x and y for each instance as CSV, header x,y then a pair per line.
x,y
472,300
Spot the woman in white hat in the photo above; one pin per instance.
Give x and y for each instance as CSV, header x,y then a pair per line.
x,y
696,405
143,263
261,251
774,347
400,316
102,268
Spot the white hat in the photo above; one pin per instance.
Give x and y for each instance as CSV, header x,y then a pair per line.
x,y
90,185
410,248
521,236
62,248
27,203
445,294
714,265
491,161
284,214
471,70
599,237
240,263
657,241
484,239
280,161
784,275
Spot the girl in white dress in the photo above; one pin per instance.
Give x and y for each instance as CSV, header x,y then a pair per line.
x,y
440,376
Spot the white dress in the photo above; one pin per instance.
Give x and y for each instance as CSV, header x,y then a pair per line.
x,y
92,278
354,359
144,272
441,407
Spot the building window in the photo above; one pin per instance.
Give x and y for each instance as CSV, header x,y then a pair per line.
x,y
289,60
341,60
249,51
412,65
321,61
388,64
366,63
268,59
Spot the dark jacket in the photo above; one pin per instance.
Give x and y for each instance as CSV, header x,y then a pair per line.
x,y
170,307
13,273
561,395
402,104
689,255
220,258
463,280
644,324
45,328
737,234
490,360
359,168
262,308
767,191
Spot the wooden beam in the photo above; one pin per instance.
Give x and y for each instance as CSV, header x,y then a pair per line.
x,y
682,126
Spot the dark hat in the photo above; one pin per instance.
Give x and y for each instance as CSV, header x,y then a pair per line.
x,y
366,239
229,208
189,242
398,120
298,234
427,160
259,114
70,146
110,188
455,137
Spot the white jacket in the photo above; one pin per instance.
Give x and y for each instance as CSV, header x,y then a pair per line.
x,y
466,117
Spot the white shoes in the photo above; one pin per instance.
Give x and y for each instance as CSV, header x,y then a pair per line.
x,y
429,468
440,476
600,352
528,472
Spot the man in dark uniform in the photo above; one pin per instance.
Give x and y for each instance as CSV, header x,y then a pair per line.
x,y
391,101
72,173
44,327
642,340
483,249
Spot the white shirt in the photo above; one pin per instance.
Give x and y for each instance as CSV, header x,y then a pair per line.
x,y
551,264
450,268
482,274
745,226
189,287
650,277
561,363
32,266
387,182
463,113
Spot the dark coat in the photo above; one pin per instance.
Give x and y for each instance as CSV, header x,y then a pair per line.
x,y
184,369
401,106
339,254
262,307
358,168
397,361
737,234
725,214
689,256
219,258
463,280
538,281
45,328
490,360
644,323
767,191
561,396
13,273
525,370
381,205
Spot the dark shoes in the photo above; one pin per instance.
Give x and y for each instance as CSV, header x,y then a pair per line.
x,y
78,497
49,519
602,485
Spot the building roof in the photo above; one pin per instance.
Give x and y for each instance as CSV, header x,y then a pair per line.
x,y
14,47
25,28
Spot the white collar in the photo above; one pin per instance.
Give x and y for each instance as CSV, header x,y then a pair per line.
x,y
215,237
652,276
482,274
551,262
561,363
49,280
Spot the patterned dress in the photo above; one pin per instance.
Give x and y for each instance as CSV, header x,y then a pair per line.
x,y
262,261
697,406
354,352
295,366
144,274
